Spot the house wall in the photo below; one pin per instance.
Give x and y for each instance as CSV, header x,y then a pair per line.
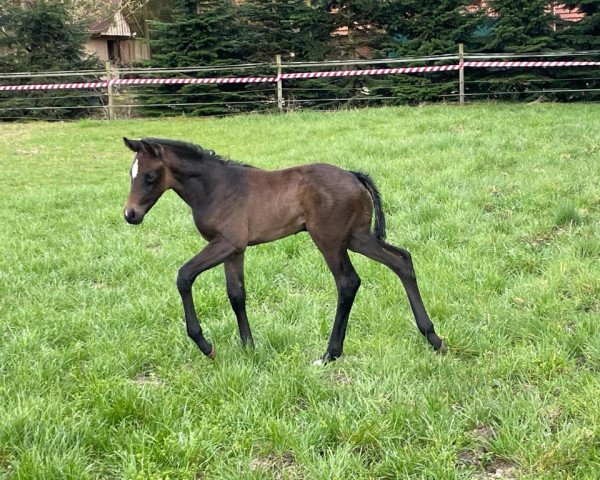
x,y
135,49
97,46
130,50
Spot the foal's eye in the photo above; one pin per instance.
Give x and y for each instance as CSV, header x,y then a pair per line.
x,y
150,177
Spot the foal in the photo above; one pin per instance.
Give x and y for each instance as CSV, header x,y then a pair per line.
x,y
235,206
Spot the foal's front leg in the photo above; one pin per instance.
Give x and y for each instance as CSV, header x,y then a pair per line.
x,y
212,255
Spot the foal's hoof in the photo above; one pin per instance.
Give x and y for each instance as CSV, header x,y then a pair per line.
x,y
324,360
213,353
436,342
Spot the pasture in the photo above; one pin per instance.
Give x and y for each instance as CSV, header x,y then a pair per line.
x,y
500,207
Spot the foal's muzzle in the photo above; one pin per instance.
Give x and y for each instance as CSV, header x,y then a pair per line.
x,y
133,217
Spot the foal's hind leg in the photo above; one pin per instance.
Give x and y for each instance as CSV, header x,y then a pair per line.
x,y
399,261
234,275
347,283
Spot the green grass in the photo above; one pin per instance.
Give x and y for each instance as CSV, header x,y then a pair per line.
x,y
500,207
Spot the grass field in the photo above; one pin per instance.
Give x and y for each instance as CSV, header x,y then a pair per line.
x,y
500,207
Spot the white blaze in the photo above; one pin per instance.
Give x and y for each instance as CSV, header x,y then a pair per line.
x,y
134,169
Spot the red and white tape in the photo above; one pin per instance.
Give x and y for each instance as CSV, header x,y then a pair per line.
x,y
139,81
531,64
290,76
54,86
372,71
185,81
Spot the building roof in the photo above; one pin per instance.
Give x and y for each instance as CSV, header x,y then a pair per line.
x,y
113,22
558,9
564,13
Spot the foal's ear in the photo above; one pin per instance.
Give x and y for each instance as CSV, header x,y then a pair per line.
x,y
132,145
152,148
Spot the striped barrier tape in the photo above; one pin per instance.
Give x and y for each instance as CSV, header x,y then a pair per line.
x,y
54,86
530,64
185,81
290,76
139,81
373,71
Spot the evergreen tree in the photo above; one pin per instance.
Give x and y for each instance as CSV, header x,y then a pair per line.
x,y
227,32
158,10
293,28
354,32
200,33
425,27
430,27
41,36
520,26
358,27
583,34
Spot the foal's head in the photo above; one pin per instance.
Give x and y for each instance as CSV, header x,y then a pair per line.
x,y
149,179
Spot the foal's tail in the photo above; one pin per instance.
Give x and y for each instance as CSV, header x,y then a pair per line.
x,y
367,181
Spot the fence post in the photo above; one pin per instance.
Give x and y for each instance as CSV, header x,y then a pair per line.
x,y
461,73
111,106
279,84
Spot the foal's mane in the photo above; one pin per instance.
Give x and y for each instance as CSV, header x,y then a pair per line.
x,y
193,152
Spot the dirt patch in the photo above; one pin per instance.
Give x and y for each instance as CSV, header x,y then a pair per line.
x,y
483,433
492,467
154,247
520,301
149,379
284,466
540,239
499,468
340,376
469,458
484,462
5,463
543,239
29,152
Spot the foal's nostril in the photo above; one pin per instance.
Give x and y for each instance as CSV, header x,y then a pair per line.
x,y
129,214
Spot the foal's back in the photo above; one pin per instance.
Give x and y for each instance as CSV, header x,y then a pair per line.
x,y
321,198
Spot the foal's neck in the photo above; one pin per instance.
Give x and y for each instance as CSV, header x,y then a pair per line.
x,y
198,183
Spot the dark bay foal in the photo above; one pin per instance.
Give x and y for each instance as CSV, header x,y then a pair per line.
x,y
235,206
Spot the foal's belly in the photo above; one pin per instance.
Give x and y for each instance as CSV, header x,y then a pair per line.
x,y
273,207
268,235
